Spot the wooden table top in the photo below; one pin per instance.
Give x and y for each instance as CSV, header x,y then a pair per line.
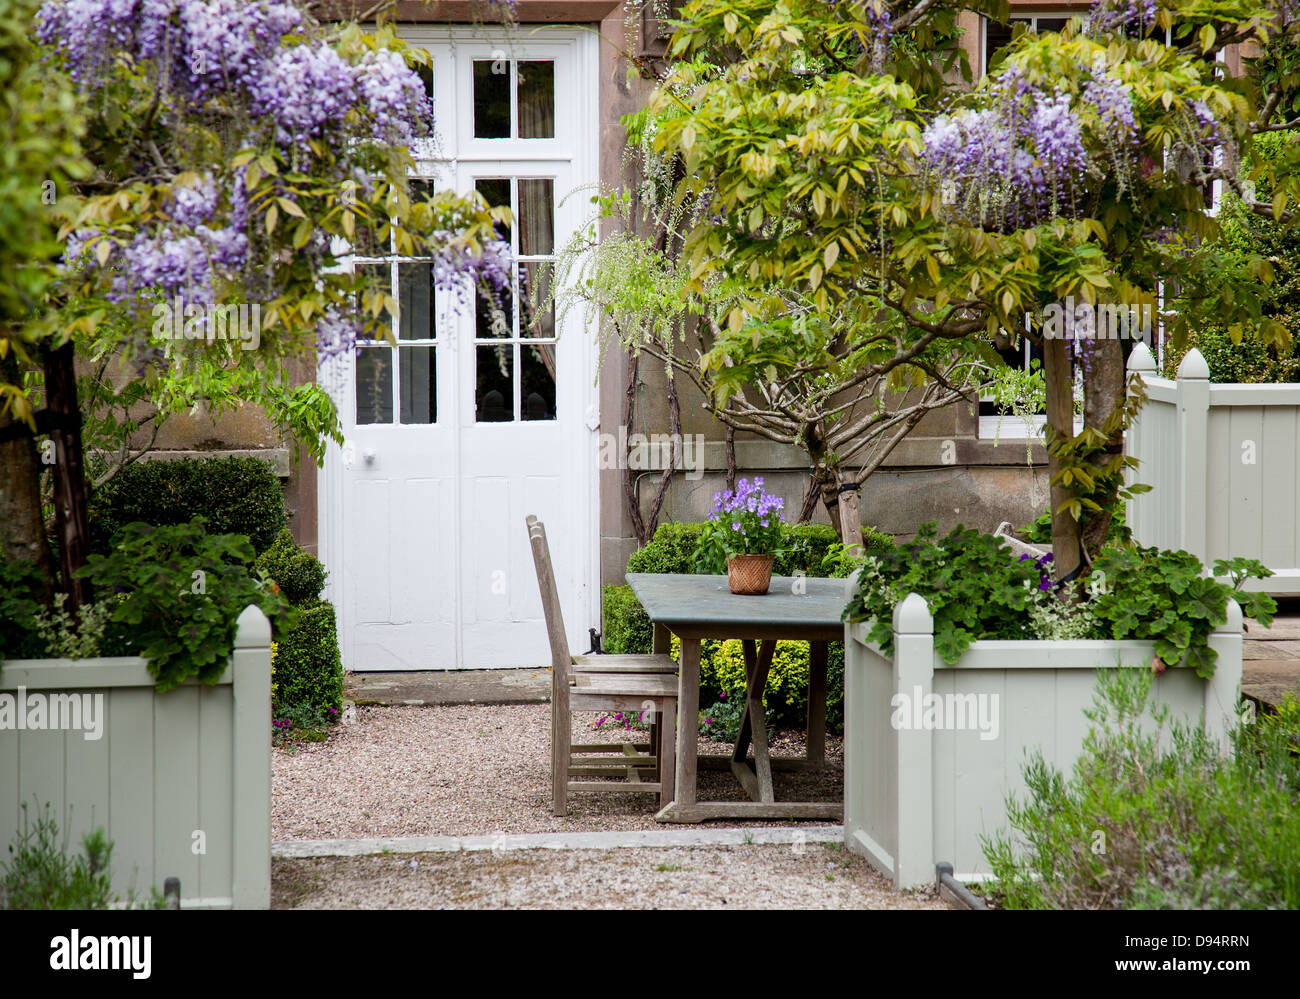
x,y
795,607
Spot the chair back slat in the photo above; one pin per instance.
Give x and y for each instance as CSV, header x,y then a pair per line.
x,y
560,657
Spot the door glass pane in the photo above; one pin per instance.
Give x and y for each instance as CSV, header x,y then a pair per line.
x,y
417,372
494,319
536,216
378,279
538,390
536,100
374,385
491,99
493,389
415,302
496,192
536,314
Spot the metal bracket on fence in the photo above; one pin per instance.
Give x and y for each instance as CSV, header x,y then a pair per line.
x,y
953,890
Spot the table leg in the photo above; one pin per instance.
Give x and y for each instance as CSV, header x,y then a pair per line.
x,y
753,722
662,641
817,655
688,720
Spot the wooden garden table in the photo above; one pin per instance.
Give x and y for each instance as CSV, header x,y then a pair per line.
x,y
698,607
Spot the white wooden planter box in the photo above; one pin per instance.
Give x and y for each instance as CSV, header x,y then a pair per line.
x,y
168,776
1223,462
914,796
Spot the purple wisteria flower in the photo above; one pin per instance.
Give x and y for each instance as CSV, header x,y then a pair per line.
x,y
1023,157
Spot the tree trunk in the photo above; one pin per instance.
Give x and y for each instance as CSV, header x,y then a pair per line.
x,y
1103,393
21,519
70,506
831,497
1060,418
850,517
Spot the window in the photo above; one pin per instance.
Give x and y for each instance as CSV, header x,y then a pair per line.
x,y
515,377
514,99
407,372
998,36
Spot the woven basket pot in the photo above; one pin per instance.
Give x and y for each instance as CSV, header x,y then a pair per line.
x,y
749,575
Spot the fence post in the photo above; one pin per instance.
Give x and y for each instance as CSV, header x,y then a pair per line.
x,y
913,680
1223,690
1139,509
1193,462
251,759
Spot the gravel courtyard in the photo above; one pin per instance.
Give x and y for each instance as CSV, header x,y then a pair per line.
x,y
475,769
813,876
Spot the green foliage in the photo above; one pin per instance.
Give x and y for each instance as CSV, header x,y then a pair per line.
x,y
1154,816
805,548
293,724
626,628
299,574
182,593
1163,596
308,666
234,496
1039,530
40,159
20,588
1096,483
670,550
1245,352
975,587
40,874
68,638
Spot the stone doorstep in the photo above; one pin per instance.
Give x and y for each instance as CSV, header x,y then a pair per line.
x,y
304,848
446,687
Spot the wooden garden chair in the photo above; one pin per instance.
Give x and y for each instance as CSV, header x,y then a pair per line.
x,y
635,684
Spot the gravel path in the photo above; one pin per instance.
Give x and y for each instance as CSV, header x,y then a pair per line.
x,y
812,876
475,769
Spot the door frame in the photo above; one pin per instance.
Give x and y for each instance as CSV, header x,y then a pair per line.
x,y
582,45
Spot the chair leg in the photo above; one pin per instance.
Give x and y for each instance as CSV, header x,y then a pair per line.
x,y
654,742
561,755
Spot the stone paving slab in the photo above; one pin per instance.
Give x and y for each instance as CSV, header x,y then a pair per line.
x,y
1268,681
298,848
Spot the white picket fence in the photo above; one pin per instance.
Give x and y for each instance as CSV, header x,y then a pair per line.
x,y
1223,461
915,795
181,781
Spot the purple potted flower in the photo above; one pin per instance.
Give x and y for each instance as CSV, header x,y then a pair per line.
x,y
747,526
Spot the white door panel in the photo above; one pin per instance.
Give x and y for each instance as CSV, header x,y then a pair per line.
x,y
422,511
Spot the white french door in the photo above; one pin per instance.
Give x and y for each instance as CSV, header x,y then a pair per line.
x,y
482,413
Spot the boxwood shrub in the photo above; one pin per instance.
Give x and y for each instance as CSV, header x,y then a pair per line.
x,y
234,495
308,668
299,574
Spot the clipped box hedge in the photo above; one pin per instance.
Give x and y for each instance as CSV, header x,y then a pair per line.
x,y
308,667
235,495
